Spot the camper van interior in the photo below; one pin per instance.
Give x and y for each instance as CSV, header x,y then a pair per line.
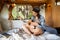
x,y
29,19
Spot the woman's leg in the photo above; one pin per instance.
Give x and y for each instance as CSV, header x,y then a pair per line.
x,y
30,30
38,31
51,30
25,28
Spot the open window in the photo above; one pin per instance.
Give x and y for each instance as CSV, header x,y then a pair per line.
x,y
24,11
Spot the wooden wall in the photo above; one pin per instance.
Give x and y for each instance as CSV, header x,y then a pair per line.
x,y
48,14
56,16
52,15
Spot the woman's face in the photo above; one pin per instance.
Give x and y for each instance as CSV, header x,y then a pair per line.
x,y
34,13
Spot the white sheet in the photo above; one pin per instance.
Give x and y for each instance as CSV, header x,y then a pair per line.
x,y
45,36
17,23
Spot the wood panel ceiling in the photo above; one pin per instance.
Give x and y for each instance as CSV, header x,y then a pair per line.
x,y
58,0
26,1
33,2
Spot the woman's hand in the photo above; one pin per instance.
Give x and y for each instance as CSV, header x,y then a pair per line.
x,y
34,23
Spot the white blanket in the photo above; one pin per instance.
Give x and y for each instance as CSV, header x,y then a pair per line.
x,y
24,36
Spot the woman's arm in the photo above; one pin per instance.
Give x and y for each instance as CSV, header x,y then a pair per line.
x,y
42,20
42,23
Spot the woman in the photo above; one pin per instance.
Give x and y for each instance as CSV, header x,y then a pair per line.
x,y
38,21
31,28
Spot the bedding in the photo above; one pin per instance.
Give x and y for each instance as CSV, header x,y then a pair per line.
x,y
21,35
17,33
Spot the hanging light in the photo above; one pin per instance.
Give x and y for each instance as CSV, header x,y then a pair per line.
x,y
7,5
13,5
12,0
